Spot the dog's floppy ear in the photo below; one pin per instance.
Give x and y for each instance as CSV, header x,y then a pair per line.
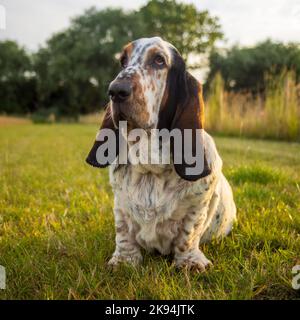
x,y
106,124
184,109
189,115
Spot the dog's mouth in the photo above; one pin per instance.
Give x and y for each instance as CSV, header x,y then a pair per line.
x,y
118,113
126,111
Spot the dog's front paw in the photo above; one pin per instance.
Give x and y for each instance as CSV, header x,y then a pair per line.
x,y
194,261
134,259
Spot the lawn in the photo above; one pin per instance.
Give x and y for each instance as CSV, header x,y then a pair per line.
x,y
57,229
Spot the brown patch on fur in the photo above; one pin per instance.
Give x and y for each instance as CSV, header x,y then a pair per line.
x,y
128,49
192,117
181,248
152,52
139,104
152,85
138,89
164,98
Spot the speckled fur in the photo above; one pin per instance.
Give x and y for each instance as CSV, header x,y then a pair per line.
x,y
148,85
156,209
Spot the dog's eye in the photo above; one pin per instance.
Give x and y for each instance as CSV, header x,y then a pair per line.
x,y
159,60
124,62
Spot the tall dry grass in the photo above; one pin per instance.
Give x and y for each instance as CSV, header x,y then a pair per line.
x,y
274,115
10,120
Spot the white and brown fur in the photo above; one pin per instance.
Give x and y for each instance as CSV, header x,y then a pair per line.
x,y
158,207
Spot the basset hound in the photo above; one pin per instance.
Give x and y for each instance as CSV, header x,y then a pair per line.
x,y
160,206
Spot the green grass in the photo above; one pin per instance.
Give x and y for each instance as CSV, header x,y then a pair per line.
x,y
57,228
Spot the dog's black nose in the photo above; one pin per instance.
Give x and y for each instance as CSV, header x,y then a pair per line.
x,y
120,91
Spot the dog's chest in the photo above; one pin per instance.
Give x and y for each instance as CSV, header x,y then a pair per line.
x,y
145,195
156,202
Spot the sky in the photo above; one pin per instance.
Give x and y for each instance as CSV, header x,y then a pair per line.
x,y
244,22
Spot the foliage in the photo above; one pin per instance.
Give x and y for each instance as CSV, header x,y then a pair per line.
x,y
57,229
244,69
189,30
74,68
17,82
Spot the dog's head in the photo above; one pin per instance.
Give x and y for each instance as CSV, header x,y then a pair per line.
x,y
137,91
154,90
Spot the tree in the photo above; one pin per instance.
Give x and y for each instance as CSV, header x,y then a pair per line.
x,y
189,30
245,69
17,79
71,73
76,66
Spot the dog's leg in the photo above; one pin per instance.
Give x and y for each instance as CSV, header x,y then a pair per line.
x,y
127,249
224,215
186,249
